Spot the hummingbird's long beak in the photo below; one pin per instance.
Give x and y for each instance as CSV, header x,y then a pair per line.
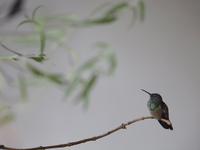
x,y
146,92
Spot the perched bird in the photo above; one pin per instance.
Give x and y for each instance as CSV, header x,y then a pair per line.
x,y
158,109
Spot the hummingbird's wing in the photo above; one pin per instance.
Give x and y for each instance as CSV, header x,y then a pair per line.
x,y
165,115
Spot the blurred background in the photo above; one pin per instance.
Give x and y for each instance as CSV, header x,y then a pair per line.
x,y
160,54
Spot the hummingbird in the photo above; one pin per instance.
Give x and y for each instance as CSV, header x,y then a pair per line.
x,y
158,109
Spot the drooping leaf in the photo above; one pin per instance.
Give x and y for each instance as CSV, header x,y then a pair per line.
x,y
108,55
90,67
96,10
89,85
111,14
134,16
56,78
27,21
31,40
30,20
117,8
42,43
141,9
8,57
2,81
6,118
88,64
3,107
35,10
86,90
34,70
27,17
77,77
74,53
71,86
92,22
85,101
64,17
54,33
38,59
112,63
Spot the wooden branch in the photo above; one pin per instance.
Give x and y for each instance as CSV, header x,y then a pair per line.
x,y
122,126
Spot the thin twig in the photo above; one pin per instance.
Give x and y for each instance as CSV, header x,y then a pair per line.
x,y
22,55
122,126
10,50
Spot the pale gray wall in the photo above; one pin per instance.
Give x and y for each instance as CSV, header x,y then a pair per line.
x,y
160,55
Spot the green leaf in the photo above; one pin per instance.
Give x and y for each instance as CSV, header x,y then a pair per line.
x,y
86,101
71,86
134,16
8,57
33,15
34,70
30,40
89,85
142,10
73,52
103,20
108,17
2,81
27,21
64,17
112,63
88,64
6,118
92,22
56,78
3,107
116,9
42,42
38,59
96,10
86,90
27,17
54,33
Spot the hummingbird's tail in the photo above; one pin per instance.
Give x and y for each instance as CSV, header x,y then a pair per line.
x,y
165,125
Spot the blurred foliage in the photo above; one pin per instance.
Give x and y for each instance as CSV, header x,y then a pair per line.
x,y
50,33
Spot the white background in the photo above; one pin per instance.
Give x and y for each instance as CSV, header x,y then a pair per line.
x,y
160,55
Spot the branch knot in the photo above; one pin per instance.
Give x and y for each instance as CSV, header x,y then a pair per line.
x,y
42,148
94,138
123,126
